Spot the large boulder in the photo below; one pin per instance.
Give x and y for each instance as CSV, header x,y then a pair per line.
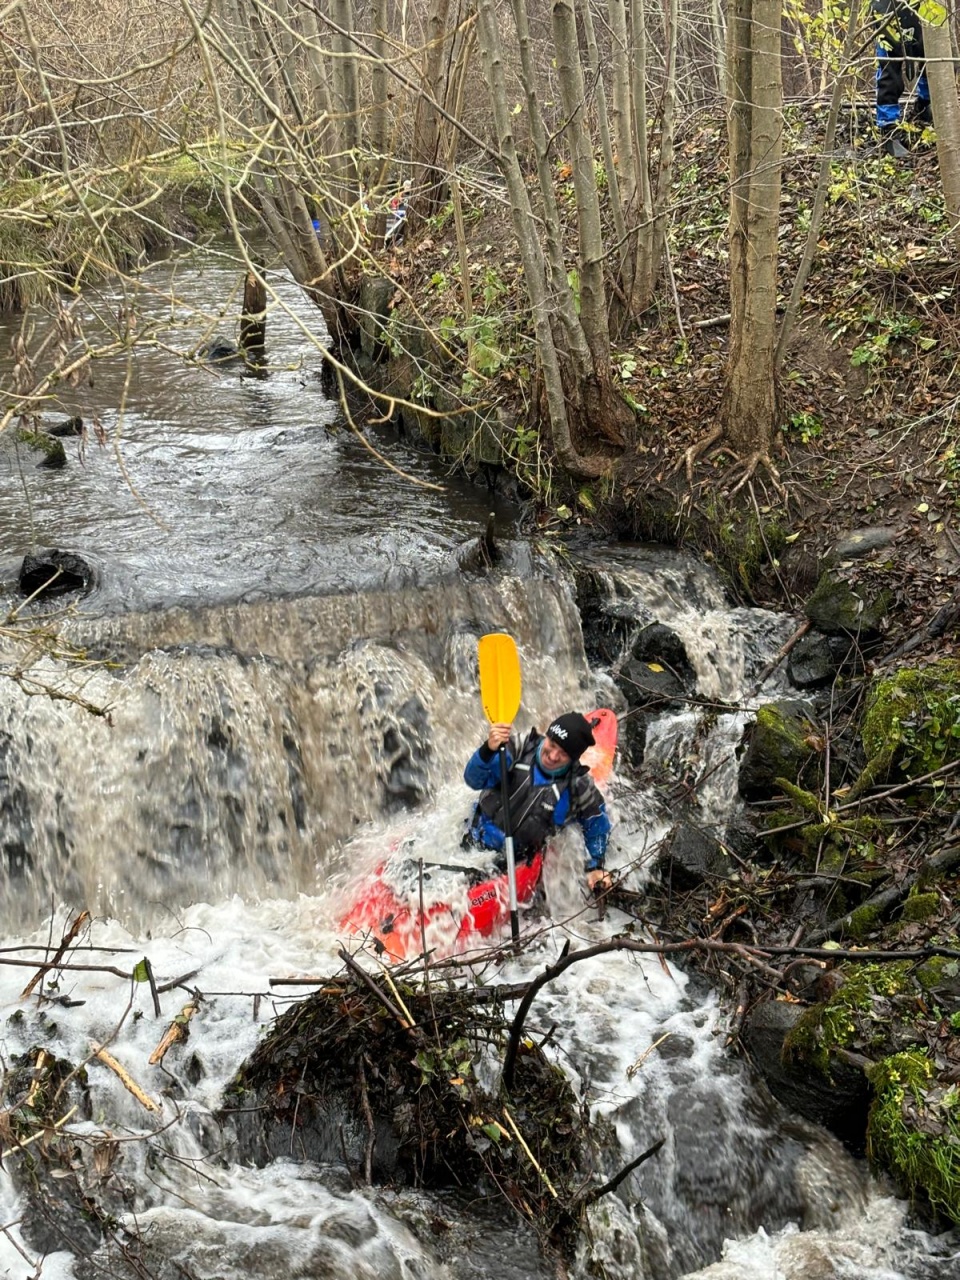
x,y
838,1100
690,856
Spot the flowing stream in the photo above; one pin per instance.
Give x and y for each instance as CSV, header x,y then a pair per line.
x,y
287,656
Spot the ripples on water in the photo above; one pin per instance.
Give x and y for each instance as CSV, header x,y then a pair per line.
x,y
216,487
247,745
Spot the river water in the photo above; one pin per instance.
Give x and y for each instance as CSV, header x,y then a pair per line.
x,y
288,662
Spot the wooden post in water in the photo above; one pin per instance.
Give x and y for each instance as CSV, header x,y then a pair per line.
x,y
253,319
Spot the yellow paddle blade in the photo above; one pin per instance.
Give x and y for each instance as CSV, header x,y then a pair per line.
x,y
499,677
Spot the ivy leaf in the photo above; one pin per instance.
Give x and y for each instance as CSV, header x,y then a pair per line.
x,y
140,973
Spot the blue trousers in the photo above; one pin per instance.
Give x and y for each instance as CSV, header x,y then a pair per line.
x,y
899,41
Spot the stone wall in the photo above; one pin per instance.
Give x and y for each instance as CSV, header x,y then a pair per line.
x,y
400,356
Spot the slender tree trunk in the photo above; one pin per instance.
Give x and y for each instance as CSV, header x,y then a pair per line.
x,y
942,79
379,115
610,157
572,337
593,301
644,214
531,253
749,406
851,39
431,186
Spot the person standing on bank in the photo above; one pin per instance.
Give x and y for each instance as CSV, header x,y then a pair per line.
x,y
899,40
548,788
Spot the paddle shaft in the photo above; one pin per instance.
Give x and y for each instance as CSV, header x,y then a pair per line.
x,y
508,846
500,694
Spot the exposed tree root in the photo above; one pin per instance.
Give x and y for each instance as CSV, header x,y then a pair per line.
x,y
698,447
749,471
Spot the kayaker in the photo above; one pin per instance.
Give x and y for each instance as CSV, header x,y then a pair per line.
x,y
548,788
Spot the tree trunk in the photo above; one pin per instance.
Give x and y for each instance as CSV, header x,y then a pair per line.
x,y
749,407
593,301
531,253
431,186
942,79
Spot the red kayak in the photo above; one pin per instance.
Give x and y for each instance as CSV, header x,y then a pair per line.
x,y
387,908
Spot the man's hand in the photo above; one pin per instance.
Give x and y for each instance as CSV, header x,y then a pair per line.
x,y
498,735
599,881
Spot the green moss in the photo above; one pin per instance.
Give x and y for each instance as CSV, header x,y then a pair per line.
x,y
920,906
835,608
54,454
914,1130
940,972
743,544
913,718
854,1014
862,921
49,237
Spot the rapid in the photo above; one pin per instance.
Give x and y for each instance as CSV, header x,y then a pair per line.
x,y
281,661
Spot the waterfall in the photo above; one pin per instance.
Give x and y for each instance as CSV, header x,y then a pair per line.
x,y
253,756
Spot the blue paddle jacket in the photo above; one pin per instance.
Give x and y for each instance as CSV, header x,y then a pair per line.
x,y
539,804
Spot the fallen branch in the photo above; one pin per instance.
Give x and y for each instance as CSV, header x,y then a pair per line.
x,y
367,981
124,1077
755,954
65,942
591,1197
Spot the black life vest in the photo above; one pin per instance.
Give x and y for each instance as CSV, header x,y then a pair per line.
x,y
531,806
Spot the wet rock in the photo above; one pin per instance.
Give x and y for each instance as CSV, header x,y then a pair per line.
x,y
52,572
839,1102
860,542
480,554
53,455
811,662
781,743
71,427
836,608
219,350
648,685
691,856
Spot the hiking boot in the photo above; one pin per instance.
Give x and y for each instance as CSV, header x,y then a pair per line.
x,y
891,144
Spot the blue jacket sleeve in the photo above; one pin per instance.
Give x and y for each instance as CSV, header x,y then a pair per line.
x,y
596,833
483,768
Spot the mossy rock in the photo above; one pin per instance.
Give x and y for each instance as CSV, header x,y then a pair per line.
x,y
914,1130
836,609
857,1016
912,719
919,907
777,745
53,454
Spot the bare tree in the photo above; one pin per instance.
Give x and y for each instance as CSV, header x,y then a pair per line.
x,y
748,412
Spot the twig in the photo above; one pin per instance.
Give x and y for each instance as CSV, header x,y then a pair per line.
x,y
529,1154
371,1129
176,1031
42,1132
591,1197
68,937
157,1011
365,978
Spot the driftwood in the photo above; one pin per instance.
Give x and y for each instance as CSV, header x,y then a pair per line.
x,y
176,1031
124,1077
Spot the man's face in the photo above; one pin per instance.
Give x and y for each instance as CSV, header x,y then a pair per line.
x,y
553,756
